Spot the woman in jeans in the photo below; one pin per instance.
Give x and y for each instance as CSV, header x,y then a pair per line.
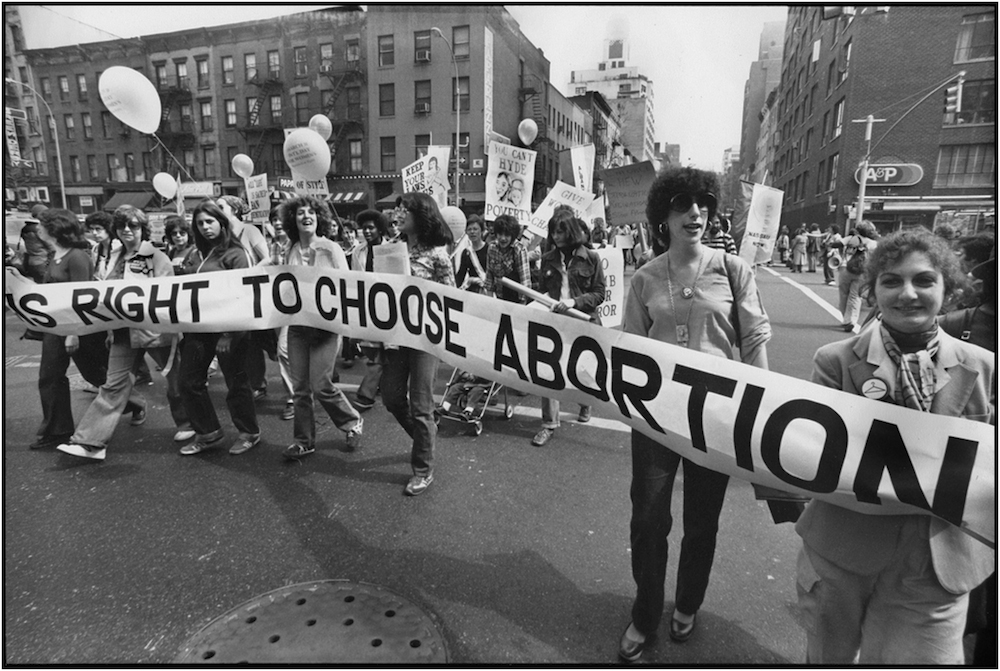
x,y
219,250
408,375
136,260
312,352
571,273
71,262
861,243
374,228
684,297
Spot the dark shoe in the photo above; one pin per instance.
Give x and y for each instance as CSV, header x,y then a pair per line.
x,y
362,404
542,437
418,484
203,443
45,442
680,632
289,411
144,381
296,451
584,414
138,417
259,394
628,649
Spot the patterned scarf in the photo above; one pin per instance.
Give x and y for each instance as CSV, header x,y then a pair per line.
x,y
916,376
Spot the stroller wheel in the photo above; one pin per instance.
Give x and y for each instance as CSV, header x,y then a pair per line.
x,y
508,411
477,428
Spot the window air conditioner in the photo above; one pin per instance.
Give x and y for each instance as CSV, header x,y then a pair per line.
x,y
422,108
423,55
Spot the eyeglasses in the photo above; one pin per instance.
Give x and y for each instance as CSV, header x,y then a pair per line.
x,y
134,225
682,202
176,233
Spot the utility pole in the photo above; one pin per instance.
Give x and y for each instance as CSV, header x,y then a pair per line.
x,y
863,182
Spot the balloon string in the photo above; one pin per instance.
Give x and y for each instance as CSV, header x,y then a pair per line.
x,y
179,165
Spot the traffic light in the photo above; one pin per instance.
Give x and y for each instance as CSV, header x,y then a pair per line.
x,y
953,98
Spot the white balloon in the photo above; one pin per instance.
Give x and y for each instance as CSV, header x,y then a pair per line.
x,y
321,124
527,130
307,154
243,165
455,219
165,185
131,98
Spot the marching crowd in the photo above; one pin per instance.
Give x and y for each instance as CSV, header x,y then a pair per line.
x,y
875,589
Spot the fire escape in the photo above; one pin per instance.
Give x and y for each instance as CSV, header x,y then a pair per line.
x,y
256,129
533,93
349,119
177,134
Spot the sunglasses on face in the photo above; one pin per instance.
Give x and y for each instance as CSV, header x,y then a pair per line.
x,y
682,202
134,225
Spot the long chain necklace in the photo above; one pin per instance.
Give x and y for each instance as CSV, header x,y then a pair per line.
x,y
686,292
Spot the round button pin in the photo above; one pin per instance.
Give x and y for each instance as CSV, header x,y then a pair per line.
x,y
874,389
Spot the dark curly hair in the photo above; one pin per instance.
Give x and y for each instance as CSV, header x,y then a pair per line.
x,y
64,227
430,227
290,208
505,224
211,209
670,182
381,221
894,247
102,219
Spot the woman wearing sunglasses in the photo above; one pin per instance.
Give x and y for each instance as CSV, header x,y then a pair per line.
x,y
702,299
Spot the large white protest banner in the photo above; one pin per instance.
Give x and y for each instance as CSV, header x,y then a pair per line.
x,y
756,425
760,229
560,194
510,177
613,307
257,198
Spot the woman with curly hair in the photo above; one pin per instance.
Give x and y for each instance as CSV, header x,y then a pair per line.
x,y
506,257
893,589
312,352
408,374
180,246
219,250
71,262
703,299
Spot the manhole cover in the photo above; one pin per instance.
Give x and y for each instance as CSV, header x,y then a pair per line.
x,y
323,622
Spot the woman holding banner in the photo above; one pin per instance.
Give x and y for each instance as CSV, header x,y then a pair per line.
x,y
571,273
701,299
471,271
506,257
894,588
408,374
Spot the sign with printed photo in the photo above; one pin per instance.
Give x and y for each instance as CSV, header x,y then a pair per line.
x,y
510,177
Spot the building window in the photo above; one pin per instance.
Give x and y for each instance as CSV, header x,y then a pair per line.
x,y
422,46
38,154
463,150
46,88
325,57
388,153
228,75
460,41
230,155
278,164
106,124
386,51
812,98
74,168
820,177
978,39
189,161
112,161
147,166
386,99
274,65
301,62
63,87
276,109
230,113
808,145
81,88
979,103
838,118
581,90
88,127
302,108
831,74
963,165
462,94
187,123
422,97
826,127
208,162
202,68
353,52
353,102
249,66
182,74
206,116
420,144
160,74
355,155
92,173
70,124
834,165
845,61
129,168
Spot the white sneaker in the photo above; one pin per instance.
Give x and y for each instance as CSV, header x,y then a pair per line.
x,y
83,451
184,435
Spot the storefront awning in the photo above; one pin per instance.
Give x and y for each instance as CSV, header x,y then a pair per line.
x,y
388,201
137,199
348,198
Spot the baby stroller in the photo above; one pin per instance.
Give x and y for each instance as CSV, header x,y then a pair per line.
x,y
466,399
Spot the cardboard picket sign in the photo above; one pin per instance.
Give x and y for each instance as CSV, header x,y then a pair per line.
x,y
755,425
510,177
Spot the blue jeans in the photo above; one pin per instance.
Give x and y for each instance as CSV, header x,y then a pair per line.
x,y
849,286
408,393
53,385
312,355
198,350
654,468
373,374
118,394
550,412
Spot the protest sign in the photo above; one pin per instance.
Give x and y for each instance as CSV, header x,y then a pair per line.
x,y
391,257
560,194
257,198
756,425
595,212
413,177
627,189
310,187
510,177
436,173
762,205
613,307
582,160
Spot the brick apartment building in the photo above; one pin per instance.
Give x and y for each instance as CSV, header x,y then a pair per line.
x,y
881,63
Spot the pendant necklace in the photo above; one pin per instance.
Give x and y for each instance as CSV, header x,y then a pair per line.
x,y
686,292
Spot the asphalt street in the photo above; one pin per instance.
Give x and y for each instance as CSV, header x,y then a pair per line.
x,y
520,554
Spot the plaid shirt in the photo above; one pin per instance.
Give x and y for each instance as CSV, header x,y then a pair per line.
x,y
511,262
722,241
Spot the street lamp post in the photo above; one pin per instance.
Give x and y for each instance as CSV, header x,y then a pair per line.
x,y
55,134
458,121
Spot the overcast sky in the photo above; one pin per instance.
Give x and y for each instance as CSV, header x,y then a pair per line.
x,y
697,56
